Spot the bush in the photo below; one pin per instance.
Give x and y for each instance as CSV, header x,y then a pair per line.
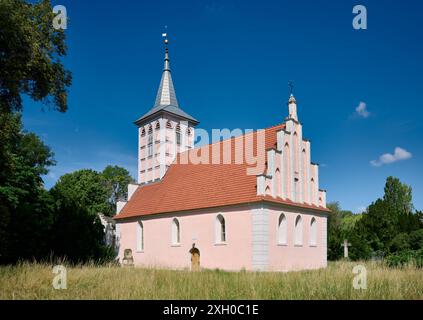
x,y
416,239
406,257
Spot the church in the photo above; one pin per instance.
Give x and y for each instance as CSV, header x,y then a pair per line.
x,y
250,202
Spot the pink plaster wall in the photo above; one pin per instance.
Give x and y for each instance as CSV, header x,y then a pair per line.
x,y
198,228
237,253
288,257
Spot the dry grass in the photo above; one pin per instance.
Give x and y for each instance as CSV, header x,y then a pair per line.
x,y
34,281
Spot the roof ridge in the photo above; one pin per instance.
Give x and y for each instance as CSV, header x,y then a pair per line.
x,y
231,138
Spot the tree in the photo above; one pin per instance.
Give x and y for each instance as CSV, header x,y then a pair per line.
x,y
85,187
116,180
30,53
76,233
388,224
340,227
25,207
95,191
398,196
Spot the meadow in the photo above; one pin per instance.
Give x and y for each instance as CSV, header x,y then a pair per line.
x,y
34,281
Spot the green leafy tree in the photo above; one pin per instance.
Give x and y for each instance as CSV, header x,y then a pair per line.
x,y
398,196
77,235
387,225
30,56
340,227
85,187
116,180
25,207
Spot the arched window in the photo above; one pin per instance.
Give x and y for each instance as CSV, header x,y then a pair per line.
x,y
220,229
282,229
169,124
150,144
313,232
176,232
150,129
178,135
189,132
298,231
287,171
157,125
140,236
143,132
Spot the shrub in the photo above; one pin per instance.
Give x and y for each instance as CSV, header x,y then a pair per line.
x,y
406,257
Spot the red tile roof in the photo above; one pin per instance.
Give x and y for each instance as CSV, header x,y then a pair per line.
x,y
198,186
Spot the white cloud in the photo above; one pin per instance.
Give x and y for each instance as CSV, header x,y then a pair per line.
x,y
387,158
362,111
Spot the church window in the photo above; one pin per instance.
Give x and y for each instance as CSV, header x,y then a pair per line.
x,y
178,135
140,236
282,229
150,145
298,231
176,232
313,232
220,229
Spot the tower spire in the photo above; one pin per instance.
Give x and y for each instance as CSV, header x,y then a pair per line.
x,y
166,95
292,103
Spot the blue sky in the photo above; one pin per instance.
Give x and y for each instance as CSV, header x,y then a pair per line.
x,y
231,62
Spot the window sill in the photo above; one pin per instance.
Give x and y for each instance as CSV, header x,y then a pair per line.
x,y
282,244
142,251
298,245
220,244
176,245
313,245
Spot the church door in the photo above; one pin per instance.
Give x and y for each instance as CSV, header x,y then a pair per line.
x,y
195,259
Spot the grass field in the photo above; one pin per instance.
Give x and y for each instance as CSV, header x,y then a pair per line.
x,y
34,281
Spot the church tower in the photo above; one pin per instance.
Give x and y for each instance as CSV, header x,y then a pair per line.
x,y
164,131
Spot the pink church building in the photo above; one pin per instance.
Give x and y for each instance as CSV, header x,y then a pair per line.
x,y
250,202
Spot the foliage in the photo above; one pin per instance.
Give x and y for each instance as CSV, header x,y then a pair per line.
x,y
406,257
85,187
25,207
116,180
95,191
387,225
76,234
30,53
340,226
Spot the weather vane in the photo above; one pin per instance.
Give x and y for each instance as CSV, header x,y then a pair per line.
x,y
291,87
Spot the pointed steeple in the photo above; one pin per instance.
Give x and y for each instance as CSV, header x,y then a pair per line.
x,y
166,95
166,101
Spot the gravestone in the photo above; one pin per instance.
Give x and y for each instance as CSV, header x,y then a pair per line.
x,y
128,259
346,245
